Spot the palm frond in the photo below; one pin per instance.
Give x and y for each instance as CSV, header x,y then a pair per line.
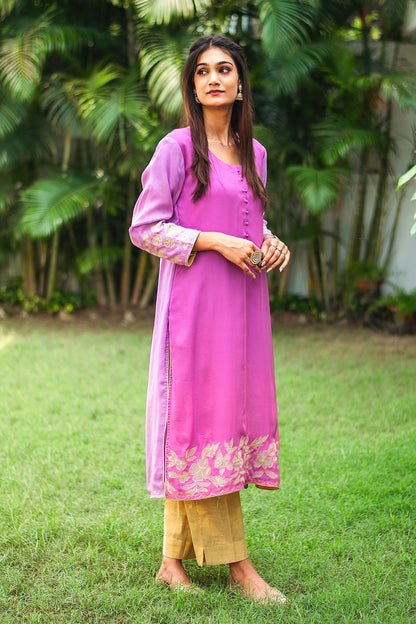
x,y
60,103
162,57
338,139
7,194
285,24
51,202
29,141
111,101
411,173
165,11
318,188
99,258
394,12
24,49
7,6
399,87
12,114
298,64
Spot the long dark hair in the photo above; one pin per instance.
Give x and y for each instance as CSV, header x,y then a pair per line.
x,y
241,117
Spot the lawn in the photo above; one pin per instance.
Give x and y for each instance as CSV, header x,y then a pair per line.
x,y
80,540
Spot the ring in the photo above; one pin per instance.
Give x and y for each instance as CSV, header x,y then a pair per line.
x,y
279,248
275,246
256,257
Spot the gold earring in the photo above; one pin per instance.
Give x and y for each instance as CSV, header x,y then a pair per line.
x,y
239,95
196,97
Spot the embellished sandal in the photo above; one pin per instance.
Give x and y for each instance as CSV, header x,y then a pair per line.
x,y
268,598
178,587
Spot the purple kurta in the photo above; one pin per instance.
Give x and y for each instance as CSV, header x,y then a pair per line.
x,y
211,408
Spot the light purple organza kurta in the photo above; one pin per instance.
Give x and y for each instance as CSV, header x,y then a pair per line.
x,y
211,408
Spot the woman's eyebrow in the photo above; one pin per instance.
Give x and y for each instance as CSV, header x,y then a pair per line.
x,y
219,63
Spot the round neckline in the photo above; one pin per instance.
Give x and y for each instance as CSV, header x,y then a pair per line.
x,y
222,161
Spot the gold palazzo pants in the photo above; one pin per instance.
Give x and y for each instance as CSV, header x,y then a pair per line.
x,y
209,529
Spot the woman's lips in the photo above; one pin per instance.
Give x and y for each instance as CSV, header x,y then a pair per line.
x,y
215,92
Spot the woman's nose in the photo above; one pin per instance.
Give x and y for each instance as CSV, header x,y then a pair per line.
x,y
213,78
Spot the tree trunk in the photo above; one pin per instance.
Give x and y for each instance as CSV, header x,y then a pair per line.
x,y
357,230
111,288
323,272
336,240
150,283
42,255
126,270
52,265
28,267
138,283
393,230
97,275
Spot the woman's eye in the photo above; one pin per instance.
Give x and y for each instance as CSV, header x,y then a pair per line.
x,y
201,72
224,70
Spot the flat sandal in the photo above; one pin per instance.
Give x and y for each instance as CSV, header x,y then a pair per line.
x,y
178,587
266,599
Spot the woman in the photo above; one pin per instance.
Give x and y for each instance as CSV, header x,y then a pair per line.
x,y
211,409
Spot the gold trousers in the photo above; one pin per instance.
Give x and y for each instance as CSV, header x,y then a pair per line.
x,y
209,529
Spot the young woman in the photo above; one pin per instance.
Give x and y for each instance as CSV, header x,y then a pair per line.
x,y
211,407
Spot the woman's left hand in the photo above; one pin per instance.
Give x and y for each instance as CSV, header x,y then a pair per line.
x,y
275,254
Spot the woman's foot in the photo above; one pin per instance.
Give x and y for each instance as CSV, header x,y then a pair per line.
x,y
245,580
172,574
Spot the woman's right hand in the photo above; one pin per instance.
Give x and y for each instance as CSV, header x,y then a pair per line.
x,y
236,250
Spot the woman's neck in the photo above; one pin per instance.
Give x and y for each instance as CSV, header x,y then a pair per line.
x,y
218,125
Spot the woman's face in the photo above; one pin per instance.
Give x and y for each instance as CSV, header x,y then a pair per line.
x,y
216,78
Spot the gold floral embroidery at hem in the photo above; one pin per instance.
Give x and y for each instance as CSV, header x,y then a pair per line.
x,y
219,466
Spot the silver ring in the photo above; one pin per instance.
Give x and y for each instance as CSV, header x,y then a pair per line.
x,y
256,257
282,253
279,248
275,246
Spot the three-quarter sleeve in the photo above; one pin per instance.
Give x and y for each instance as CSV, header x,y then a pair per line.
x,y
154,226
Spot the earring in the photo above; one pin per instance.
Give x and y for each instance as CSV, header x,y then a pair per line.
x,y
239,95
196,97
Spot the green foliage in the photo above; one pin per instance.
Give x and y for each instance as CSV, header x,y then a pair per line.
x,y
396,311
12,113
366,272
24,48
363,282
92,87
338,138
51,202
317,187
167,11
12,295
111,101
296,304
285,24
98,258
162,56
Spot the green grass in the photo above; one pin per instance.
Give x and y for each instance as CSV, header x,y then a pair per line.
x,y
80,540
